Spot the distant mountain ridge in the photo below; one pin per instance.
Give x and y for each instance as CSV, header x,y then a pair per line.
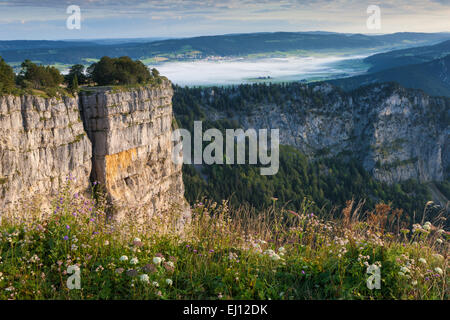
x,y
220,45
432,77
397,58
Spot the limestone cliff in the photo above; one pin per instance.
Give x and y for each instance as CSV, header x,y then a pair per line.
x,y
121,138
42,142
131,134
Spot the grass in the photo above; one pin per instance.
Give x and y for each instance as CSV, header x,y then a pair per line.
x,y
221,253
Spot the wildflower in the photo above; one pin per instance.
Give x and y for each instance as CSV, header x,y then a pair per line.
x,y
169,282
220,296
136,240
170,264
157,260
404,269
414,283
439,241
66,238
281,249
119,270
106,243
155,284
134,261
149,268
67,227
275,257
123,258
438,270
422,260
144,278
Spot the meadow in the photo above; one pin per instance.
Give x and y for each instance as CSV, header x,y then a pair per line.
x,y
221,253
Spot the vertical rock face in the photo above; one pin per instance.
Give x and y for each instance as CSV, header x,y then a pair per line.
x,y
120,138
42,142
397,133
132,148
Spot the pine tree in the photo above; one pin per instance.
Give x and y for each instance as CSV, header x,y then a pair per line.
x,y
74,85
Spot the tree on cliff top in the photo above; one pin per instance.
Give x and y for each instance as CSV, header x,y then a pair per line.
x,y
76,71
123,70
7,77
39,77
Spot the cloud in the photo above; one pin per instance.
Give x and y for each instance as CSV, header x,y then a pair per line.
x,y
196,17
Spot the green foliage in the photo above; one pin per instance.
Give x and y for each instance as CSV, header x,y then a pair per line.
x,y
291,255
119,71
76,72
328,182
7,78
33,76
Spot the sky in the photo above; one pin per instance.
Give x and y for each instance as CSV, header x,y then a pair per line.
x,y
46,19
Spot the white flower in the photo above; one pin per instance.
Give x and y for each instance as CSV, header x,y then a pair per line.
x,y
281,249
404,269
134,261
137,240
401,274
414,283
106,242
123,258
439,241
438,270
275,257
422,260
157,260
169,282
144,278
427,226
155,284
170,264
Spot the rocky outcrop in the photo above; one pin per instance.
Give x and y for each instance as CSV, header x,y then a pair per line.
x,y
42,143
131,134
121,138
397,133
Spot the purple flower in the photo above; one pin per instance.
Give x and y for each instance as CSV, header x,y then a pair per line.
x,y
66,238
95,232
67,227
303,271
211,251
